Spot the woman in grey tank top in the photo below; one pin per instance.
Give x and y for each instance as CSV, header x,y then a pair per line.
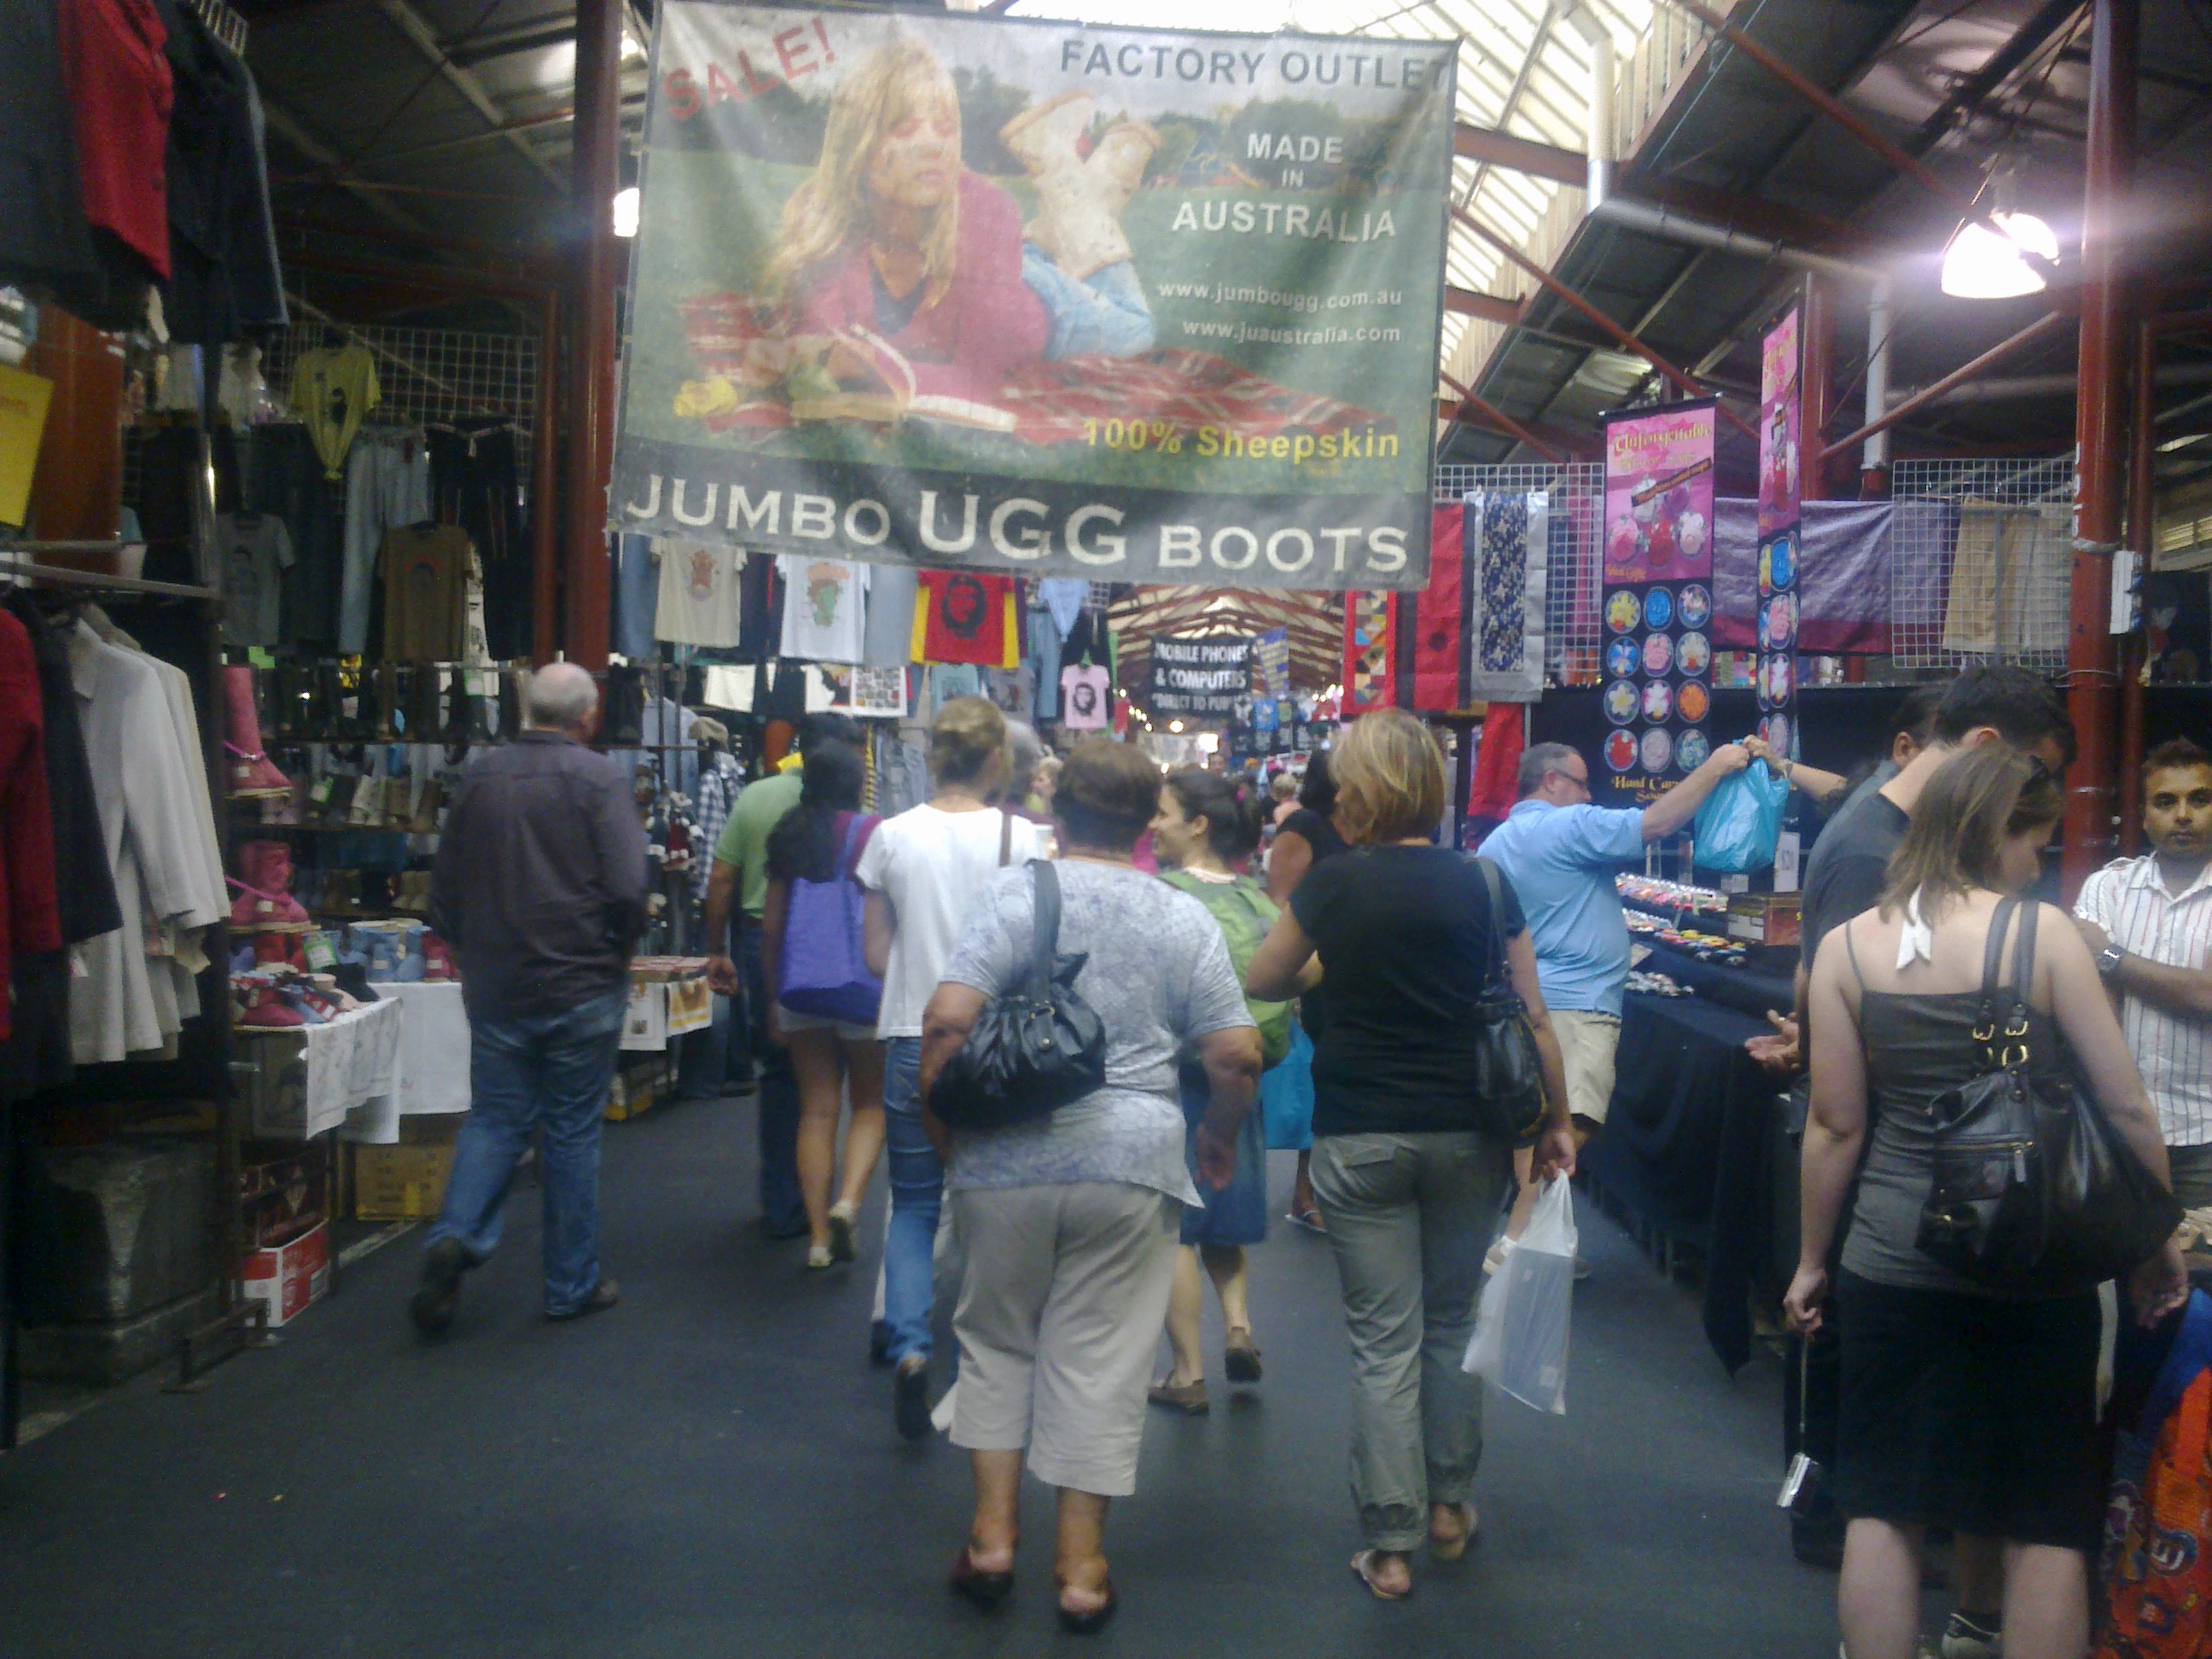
x,y
1961,1407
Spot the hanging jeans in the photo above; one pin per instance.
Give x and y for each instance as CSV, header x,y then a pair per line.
x,y
528,1073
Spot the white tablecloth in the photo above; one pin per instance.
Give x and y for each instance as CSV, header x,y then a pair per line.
x,y
319,1076
433,1047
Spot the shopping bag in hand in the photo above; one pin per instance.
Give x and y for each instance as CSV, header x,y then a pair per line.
x,y
1521,1335
1739,825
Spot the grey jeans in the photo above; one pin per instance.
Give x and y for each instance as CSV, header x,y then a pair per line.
x,y
1409,1216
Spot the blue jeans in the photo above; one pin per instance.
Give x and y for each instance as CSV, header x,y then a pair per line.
x,y
917,1197
783,1210
526,1073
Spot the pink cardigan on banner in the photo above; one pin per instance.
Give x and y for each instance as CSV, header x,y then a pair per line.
x,y
988,323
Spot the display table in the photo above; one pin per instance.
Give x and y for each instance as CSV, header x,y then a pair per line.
x,y
434,1047
1685,1146
311,1079
1748,990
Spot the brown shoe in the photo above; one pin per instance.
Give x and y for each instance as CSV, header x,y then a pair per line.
x,y
1239,1358
603,1296
1189,1398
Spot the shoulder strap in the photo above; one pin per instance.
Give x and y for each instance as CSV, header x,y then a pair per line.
x,y
1006,837
845,852
1497,931
1045,947
1993,961
1851,950
2023,958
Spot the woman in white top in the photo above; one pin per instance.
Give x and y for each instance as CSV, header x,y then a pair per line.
x,y
923,870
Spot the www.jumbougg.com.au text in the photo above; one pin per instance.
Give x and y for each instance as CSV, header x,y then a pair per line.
x,y
1234,294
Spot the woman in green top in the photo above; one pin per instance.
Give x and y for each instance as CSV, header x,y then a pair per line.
x,y
1206,829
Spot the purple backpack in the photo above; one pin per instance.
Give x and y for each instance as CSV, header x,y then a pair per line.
x,y
824,969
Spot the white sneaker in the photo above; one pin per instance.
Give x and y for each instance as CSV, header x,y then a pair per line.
x,y
1966,1638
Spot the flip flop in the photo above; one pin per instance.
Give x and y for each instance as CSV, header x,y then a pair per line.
x,y
1309,1219
1360,1564
1090,1623
1440,1551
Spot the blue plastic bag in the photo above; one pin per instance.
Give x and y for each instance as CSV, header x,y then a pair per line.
x,y
1741,821
1286,1096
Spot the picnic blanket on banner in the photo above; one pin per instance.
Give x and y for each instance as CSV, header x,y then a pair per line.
x,y
1176,393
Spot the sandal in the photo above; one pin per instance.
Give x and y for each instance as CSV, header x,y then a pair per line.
x,y
1239,1358
1440,1550
1309,1219
1090,1623
1363,1564
987,1591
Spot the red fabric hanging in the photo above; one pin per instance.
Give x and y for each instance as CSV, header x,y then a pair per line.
x,y
1496,781
120,92
30,918
1440,618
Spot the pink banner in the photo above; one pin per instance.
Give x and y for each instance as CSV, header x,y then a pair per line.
x,y
1779,489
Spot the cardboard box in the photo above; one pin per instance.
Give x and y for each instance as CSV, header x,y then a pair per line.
x,y
289,1278
400,1183
635,1090
281,1197
690,1006
1765,918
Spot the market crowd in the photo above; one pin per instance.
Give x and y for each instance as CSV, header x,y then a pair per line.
x,y
1072,1003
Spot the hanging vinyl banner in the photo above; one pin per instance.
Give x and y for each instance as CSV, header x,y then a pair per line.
x,y
1207,675
1658,595
1781,512
1128,305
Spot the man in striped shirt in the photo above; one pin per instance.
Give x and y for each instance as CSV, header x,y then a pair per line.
x,y
2149,922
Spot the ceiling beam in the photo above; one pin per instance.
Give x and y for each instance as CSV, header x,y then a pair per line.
x,y
424,39
286,126
1965,100
1775,221
1491,307
1505,149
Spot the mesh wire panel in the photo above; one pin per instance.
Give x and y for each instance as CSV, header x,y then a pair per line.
x,y
429,375
1981,553
1572,571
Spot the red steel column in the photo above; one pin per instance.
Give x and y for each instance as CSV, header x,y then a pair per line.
x,y
544,490
2142,480
1816,378
2100,419
595,176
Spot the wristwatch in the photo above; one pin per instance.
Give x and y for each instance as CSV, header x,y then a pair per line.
x,y
2109,960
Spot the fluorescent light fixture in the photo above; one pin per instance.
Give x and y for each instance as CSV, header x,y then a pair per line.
x,y
1980,265
626,211
1174,725
631,48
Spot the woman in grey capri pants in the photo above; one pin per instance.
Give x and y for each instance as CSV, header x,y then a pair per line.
x,y
1070,1221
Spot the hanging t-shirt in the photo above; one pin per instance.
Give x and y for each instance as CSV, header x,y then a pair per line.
x,y
332,391
1014,689
253,550
426,592
887,642
697,604
966,616
822,605
1083,705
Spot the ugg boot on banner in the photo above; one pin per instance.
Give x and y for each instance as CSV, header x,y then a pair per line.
x,y
264,888
252,776
1080,197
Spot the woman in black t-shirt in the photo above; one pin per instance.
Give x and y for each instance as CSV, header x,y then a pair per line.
x,y
1410,1182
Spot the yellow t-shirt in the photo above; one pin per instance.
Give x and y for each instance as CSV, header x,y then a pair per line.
x,y
332,391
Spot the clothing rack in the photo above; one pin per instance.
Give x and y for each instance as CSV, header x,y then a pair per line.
x,y
237,1321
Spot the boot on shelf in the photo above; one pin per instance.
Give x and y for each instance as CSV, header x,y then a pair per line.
x,y
438,965
252,776
264,888
425,821
260,1009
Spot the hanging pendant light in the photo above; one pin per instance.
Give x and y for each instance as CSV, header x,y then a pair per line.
x,y
1979,264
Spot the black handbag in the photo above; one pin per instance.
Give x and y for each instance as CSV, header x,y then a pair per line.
x,y
1508,1078
2032,1191
1036,1046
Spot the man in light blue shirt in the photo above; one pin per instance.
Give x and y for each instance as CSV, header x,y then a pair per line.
x,y
1561,853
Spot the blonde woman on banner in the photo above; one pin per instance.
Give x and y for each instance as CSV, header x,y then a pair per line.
x,y
893,235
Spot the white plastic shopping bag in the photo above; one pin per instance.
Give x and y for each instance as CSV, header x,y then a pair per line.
x,y
1520,1340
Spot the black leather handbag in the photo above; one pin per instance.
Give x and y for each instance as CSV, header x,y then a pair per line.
x,y
1036,1046
2032,1191
1508,1078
